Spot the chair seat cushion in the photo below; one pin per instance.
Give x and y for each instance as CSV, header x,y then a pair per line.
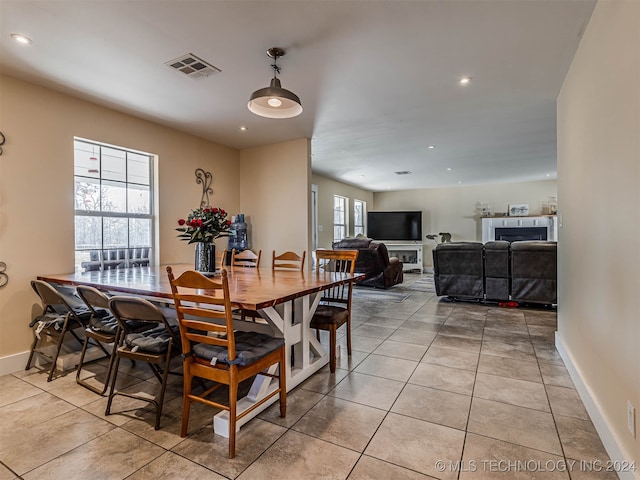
x,y
329,314
250,347
152,341
49,320
83,313
107,324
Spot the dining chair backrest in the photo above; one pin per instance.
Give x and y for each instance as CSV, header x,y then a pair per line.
x,y
288,261
53,301
221,259
339,261
49,296
199,302
133,313
246,258
93,298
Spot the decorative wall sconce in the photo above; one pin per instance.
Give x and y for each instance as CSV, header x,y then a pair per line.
x,y
205,178
4,278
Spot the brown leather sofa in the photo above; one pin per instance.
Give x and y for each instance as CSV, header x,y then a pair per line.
x,y
373,260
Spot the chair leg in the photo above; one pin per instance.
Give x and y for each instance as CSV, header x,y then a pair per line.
x,y
282,383
349,335
81,363
58,348
33,349
154,369
332,347
186,401
233,399
165,374
113,386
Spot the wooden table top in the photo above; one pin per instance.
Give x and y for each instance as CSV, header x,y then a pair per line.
x,y
249,288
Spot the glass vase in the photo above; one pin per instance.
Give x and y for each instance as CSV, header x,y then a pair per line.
x,y
205,257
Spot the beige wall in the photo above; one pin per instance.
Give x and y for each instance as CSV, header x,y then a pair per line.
x,y
454,209
36,187
599,199
327,188
275,197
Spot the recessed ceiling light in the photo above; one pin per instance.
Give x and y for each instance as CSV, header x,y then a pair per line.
x,y
459,181
243,128
448,169
548,174
431,147
465,80
21,39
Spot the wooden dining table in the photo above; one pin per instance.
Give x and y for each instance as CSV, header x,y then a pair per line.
x,y
286,300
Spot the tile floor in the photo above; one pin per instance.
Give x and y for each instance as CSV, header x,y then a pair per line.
x,y
432,390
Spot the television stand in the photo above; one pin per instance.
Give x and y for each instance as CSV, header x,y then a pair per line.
x,y
410,254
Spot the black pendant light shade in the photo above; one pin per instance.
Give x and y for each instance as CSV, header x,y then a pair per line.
x,y
275,101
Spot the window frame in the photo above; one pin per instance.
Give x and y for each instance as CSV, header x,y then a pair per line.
x,y
345,209
363,216
130,258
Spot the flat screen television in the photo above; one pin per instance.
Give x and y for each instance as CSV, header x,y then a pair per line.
x,y
405,226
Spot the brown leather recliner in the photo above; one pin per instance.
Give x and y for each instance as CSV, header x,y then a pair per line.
x,y
373,260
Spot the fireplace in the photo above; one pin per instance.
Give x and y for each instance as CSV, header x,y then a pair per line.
x,y
514,234
513,229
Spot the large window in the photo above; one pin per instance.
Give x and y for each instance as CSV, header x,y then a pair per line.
x,y
113,206
339,218
359,213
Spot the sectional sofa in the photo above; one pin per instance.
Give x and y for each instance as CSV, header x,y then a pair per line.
x,y
523,271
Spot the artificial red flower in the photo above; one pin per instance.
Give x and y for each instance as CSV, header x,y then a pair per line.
x,y
204,224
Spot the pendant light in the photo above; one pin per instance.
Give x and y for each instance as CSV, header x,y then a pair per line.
x,y
275,101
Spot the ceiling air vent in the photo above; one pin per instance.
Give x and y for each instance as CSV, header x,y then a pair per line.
x,y
193,66
403,172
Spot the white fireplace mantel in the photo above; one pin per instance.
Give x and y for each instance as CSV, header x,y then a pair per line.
x,y
490,224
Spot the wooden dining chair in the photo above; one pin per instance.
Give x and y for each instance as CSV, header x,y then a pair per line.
x,y
245,258
288,261
334,309
60,316
156,345
212,350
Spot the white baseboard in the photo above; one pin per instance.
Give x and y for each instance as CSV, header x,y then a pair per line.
x,y
609,438
13,363
66,360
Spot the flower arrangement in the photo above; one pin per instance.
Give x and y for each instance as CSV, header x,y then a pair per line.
x,y
204,225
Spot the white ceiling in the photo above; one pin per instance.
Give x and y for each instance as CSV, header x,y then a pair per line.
x,y
377,79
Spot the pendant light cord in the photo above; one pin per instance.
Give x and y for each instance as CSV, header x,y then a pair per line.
x,y
276,68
